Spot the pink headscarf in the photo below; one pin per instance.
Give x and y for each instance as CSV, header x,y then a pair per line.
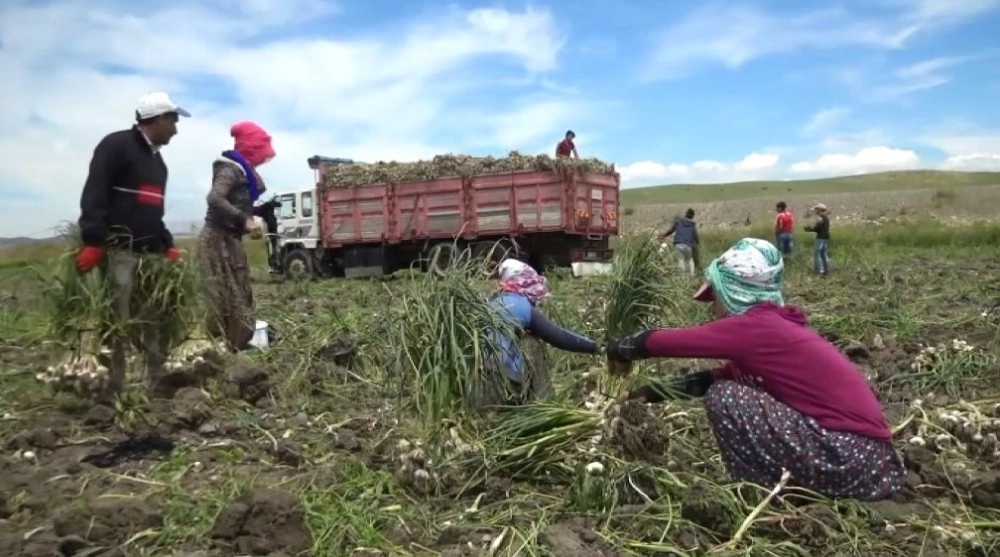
x,y
253,142
520,278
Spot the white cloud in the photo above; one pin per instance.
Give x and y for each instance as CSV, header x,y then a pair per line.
x,y
824,120
765,166
754,166
731,35
73,70
869,159
968,151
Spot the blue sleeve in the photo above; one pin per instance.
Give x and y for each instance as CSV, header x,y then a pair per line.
x,y
561,338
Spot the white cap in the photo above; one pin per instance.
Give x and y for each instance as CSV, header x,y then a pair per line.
x,y
511,267
156,104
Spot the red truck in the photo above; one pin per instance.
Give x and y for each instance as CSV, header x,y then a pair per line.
x,y
558,218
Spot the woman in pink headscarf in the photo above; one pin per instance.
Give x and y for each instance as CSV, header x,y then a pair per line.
x,y
236,185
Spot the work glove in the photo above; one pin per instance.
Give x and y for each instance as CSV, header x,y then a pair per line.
x,y
87,258
173,255
630,348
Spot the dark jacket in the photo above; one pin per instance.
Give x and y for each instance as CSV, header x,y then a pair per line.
x,y
266,212
821,227
122,201
685,231
229,203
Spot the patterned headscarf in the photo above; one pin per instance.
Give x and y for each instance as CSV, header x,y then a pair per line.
x,y
747,274
518,277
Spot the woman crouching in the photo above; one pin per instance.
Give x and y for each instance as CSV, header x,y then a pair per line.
x,y
519,367
236,185
786,398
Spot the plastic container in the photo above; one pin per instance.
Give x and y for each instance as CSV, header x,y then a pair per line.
x,y
259,335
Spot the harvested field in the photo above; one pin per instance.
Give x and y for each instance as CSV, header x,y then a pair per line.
x,y
313,447
956,206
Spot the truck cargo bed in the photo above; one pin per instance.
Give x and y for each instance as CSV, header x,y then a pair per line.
x,y
469,207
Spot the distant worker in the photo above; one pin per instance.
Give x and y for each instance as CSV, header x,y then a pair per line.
x,y
266,213
121,222
784,225
821,249
566,147
685,232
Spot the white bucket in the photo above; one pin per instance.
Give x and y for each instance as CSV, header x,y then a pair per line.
x,y
259,335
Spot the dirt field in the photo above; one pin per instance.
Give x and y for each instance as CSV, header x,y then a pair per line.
x,y
298,450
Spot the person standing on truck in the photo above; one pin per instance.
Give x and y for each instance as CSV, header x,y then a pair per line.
x,y
236,185
121,222
524,371
566,147
266,212
784,225
685,232
821,249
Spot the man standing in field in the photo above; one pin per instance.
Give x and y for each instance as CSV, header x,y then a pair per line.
x,y
821,257
266,212
121,221
566,147
685,232
784,225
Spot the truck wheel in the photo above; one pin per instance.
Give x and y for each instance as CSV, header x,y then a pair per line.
x,y
440,259
299,265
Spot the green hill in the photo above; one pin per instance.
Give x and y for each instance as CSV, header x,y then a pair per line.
x,y
864,183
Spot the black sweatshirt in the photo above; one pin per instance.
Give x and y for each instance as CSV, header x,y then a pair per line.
x,y
821,227
122,204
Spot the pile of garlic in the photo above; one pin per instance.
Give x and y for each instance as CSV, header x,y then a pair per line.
x,y
930,356
194,355
963,429
415,468
83,374
455,445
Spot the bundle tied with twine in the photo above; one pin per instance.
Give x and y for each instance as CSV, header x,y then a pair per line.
x,y
447,350
452,165
638,292
82,315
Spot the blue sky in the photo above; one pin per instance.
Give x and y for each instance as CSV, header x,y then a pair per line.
x,y
669,91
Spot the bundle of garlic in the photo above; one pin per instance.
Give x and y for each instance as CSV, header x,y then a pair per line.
x,y
415,468
634,429
930,356
962,428
84,374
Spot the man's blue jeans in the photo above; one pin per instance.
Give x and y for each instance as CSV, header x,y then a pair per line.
x,y
821,256
785,243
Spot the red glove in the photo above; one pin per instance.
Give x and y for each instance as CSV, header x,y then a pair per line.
x,y
88,258
173,254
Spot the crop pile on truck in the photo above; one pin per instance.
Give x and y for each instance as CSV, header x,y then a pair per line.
x,y
450,165
371,219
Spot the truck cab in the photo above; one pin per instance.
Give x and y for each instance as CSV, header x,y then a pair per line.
x,y
298,225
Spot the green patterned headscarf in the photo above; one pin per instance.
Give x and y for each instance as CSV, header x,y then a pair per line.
x,y
747,274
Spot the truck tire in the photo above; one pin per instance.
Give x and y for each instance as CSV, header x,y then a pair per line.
x,y
299,265
440,258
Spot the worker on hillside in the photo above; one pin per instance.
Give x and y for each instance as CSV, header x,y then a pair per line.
x,y
786,398
266,212
566,147
236,185
121,221
821,249
784,227
524,371
685,232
